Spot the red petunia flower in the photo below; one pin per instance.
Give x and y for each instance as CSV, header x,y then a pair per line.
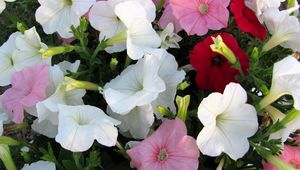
x,y
214,71
247,20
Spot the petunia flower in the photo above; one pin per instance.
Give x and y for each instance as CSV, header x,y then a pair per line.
x,y
276,22
3,5
285,81
7,63
137,85
290,155
104,19
28,88
213,70
141,38
137,122
258,6
246,19
42,165
27,53
169,38
228,121
59,15
80,125
198,16
169,147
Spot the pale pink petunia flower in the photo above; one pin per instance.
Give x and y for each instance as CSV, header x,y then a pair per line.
x,y
28,88
169,147
168,17
198,16
290,155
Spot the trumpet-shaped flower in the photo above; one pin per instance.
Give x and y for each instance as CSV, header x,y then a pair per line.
x,y
198,16
141,38
168,17
137,85
59,15
228,122
42,165
27,50
3,5
80,125
285,80
136,123
169,147
7,63
276,22
28,88
103,18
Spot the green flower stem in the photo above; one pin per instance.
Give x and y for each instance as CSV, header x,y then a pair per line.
x,y
6,157
160,5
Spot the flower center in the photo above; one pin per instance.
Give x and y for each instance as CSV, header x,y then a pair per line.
x,y
68,2
203,9
216,61
163,155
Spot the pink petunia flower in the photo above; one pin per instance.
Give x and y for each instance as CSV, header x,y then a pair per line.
x,y
168,17
169,147
197,16
28,88
290,155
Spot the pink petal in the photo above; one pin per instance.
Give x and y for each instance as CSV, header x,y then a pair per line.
x,y
168,17
11,104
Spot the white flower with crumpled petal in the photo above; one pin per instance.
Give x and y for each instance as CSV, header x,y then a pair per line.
x,y
59,15
79,126
228,122
40,165
27,53
283,35
141,38
137,85
104,19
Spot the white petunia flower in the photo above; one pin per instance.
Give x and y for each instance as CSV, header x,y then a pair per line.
x,y
136,123
137,85
141,38
59,15
258,6
228,122
168,72
80,125
104,19
40,165
169,38
7,63
283,35
27,50
286,80
3,5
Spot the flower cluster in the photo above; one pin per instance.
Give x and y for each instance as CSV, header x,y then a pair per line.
x,y
184,84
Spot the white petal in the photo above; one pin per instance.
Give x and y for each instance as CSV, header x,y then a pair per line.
x,y
137,122
2,6
41,165
80,7
79,126
67,66
234,95
45,127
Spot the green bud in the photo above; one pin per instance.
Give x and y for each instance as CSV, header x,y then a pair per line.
x,y
182,105
72,84
165,112
113,63
21,27
183,85
56,50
